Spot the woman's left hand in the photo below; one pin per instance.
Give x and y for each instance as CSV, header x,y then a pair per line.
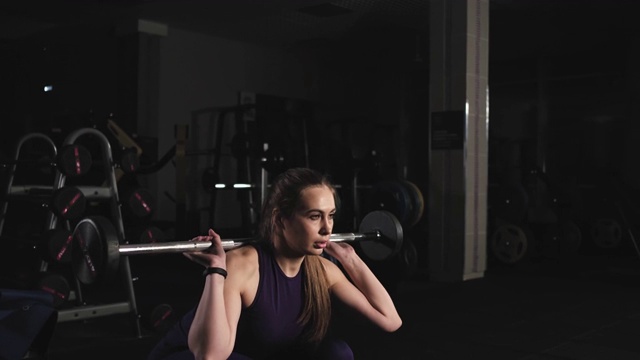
x,y
214,256
340,250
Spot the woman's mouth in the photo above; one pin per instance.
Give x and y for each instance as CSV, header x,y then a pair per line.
x,y
320,244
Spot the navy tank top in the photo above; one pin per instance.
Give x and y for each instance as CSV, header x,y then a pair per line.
x,y
270,324
267,329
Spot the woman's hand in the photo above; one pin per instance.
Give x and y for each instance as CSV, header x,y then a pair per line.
x,y
341,251
214,256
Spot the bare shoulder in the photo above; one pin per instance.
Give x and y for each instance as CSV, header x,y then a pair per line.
x,y
243,259
333,271
244,275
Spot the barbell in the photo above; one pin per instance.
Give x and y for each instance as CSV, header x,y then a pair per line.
x,y
96,248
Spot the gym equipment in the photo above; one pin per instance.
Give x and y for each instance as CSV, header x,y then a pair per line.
x,y
402,198
151,234
391,196
417,202
142,203
509,243
108,195
162,317
68,203
56,285
97,249
131,151
55,245
72,160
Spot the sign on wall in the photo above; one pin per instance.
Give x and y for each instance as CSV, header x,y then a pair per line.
x,y
447,130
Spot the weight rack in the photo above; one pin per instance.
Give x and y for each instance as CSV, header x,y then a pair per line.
x,y
108,192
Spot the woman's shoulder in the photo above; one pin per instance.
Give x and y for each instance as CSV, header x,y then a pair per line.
x,y
244,258
243,253
332,269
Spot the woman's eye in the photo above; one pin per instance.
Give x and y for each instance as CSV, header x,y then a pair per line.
x,y
315,217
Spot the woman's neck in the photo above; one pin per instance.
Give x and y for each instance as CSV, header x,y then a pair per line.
x,y
290,266
288,260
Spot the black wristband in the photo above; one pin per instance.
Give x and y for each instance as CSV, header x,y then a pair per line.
x,y
215,270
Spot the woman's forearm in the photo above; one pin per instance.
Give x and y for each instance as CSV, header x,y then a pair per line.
x,y
209,335
366,281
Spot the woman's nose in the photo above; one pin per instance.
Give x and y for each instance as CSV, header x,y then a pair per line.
x,y
326,226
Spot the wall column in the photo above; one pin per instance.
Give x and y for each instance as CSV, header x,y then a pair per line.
x,y
459,102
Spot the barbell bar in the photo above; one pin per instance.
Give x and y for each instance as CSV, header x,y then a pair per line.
x,y
227,244
96,248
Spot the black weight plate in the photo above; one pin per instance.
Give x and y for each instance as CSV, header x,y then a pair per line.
x,y
74,160
390,228
509,243
56,285
58,245
417,200
95,254
150,235
162,317
409,258
391,196
141,202
130,161
68,203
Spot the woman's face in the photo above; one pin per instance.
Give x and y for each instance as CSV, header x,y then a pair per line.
x,y
307,230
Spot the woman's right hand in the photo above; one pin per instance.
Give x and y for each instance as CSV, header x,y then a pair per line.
x,y
214,256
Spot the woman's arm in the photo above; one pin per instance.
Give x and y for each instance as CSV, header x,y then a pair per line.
x,y
364,292
212,333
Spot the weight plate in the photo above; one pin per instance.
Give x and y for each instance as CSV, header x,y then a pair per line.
x,y
95,253
162,317
409,258
58,244
392,196
56,285
68,203
417,201
141,202
130,161
390,228
509,243
74,160
151,234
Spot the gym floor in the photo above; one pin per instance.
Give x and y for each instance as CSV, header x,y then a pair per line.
x,y
586,306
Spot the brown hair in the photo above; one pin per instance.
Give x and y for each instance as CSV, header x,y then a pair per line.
x,y
284,197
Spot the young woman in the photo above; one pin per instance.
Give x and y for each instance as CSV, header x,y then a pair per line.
x,y
272,299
